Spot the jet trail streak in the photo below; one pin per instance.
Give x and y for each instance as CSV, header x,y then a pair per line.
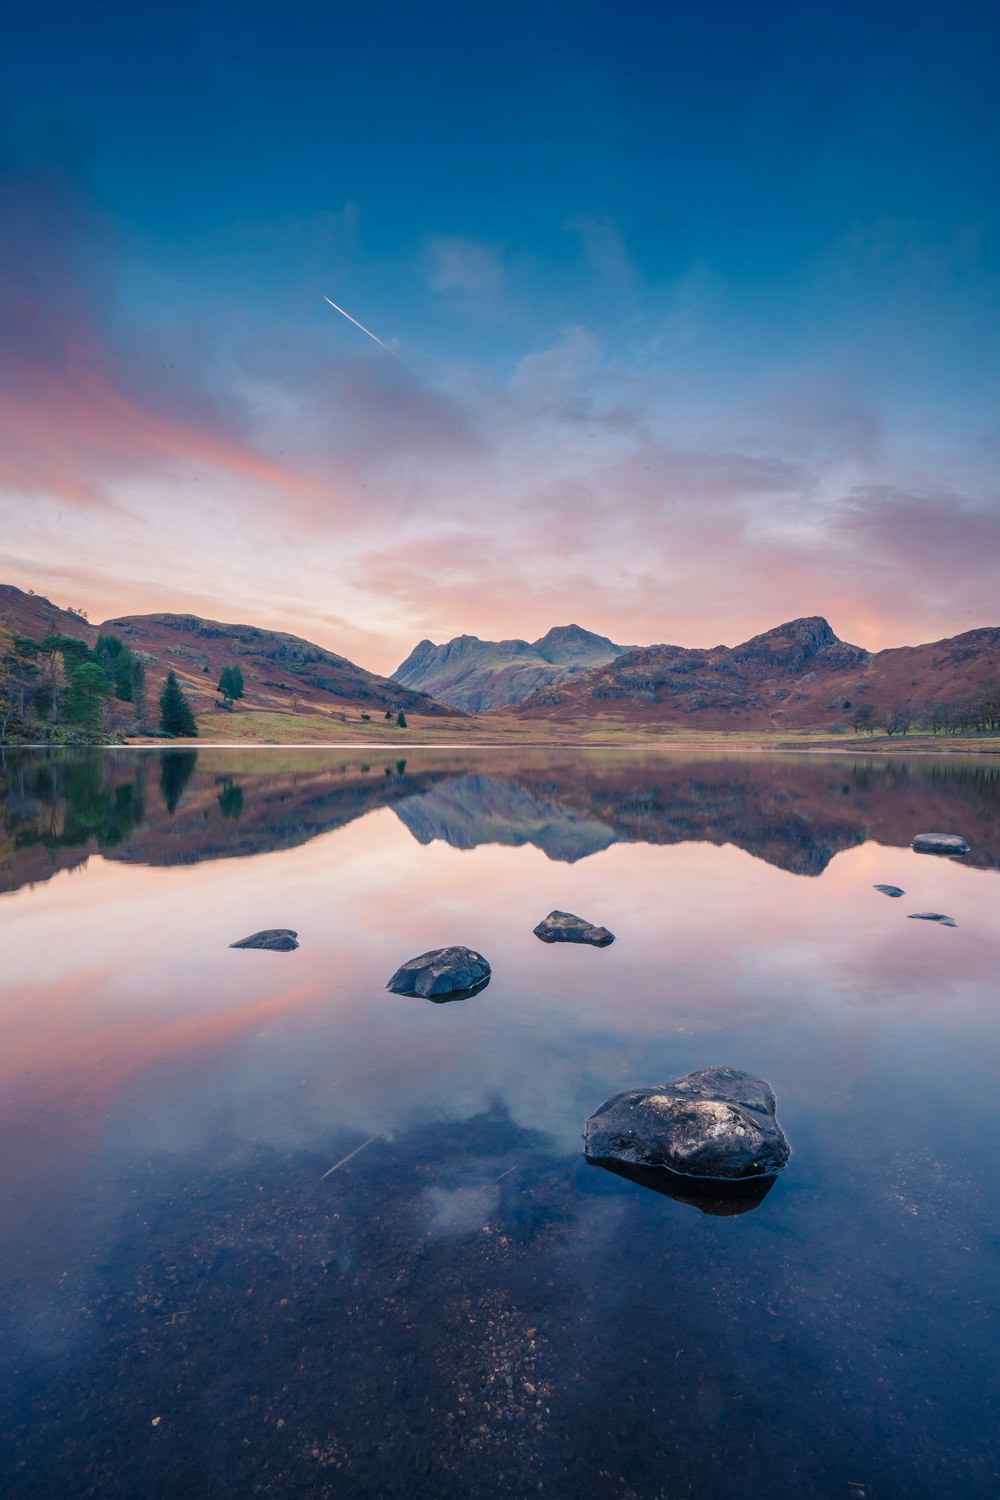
x,y
368,331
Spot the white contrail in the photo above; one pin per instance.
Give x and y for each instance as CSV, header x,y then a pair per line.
x,y
371,335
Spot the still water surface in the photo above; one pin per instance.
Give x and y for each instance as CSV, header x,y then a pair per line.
x,y
193,1304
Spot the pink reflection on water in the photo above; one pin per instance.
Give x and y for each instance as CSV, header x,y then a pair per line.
x,y
129,1025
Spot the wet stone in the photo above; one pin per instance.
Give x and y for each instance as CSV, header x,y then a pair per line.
x,y
442,974
889,890
716,1196
939,843
564,927
932,916
716,1123
273,939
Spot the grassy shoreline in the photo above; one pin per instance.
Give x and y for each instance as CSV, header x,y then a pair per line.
x,y
253,729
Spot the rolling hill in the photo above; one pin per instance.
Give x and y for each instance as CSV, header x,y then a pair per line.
x,y
282,673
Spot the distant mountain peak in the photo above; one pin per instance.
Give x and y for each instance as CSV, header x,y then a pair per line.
x,y
806,640
480,675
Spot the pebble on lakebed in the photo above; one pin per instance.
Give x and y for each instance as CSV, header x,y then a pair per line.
x,y
273,939
716,1123
442,974
564,927
939,843
932,916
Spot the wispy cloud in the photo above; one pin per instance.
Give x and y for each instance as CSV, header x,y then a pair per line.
x,y
604,247
467,268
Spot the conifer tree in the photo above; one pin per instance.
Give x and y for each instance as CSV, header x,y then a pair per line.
x,y
176,717
231,683
137,688
89,690
401,720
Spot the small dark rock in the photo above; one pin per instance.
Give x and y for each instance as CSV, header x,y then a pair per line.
x,y
716,1123
442,974
932,916
939,843
563,927
274,939
889,890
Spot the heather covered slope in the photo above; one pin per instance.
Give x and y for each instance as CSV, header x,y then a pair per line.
x,y
480,675
281,673
35,617
797,676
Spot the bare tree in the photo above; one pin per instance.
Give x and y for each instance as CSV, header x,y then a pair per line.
x,y
897,719
864,717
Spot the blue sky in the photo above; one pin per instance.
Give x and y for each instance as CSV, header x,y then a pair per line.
x,y
698,304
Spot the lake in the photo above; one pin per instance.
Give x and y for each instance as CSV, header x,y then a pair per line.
x,y
271,1230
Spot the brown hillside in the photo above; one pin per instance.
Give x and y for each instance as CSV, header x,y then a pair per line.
x,y
798,676
33,616
281,673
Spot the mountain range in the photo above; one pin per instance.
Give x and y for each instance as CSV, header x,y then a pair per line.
x,y
477,675
798,676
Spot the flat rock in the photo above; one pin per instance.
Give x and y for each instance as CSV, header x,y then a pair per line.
x,y
563,927
932,916
939,843
442,974
274,939
889,890
716,1123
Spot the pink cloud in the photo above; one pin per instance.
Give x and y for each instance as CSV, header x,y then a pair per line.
x,y
75,412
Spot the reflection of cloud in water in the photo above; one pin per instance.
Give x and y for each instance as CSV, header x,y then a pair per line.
x,y
460,1210
150,1034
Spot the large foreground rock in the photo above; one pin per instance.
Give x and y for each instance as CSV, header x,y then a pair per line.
x,y
274,939
717,1123
441,974
563,927
716,1196
939,843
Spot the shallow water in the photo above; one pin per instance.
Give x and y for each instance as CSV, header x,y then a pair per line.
x,y
193,1303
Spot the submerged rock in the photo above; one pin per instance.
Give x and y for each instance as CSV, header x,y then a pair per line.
x,y
889,890
939,843
442,974
563,927
716,1123
710,1195
274,939
932,916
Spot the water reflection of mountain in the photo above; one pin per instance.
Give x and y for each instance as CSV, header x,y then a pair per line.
x,y
181,807
473,810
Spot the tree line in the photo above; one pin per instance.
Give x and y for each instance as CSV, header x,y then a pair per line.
x,y
60,681
60,687
979,714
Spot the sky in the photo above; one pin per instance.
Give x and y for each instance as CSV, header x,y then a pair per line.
x,y
691,315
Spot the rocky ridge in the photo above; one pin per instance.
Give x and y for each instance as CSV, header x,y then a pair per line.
x,y
477,676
